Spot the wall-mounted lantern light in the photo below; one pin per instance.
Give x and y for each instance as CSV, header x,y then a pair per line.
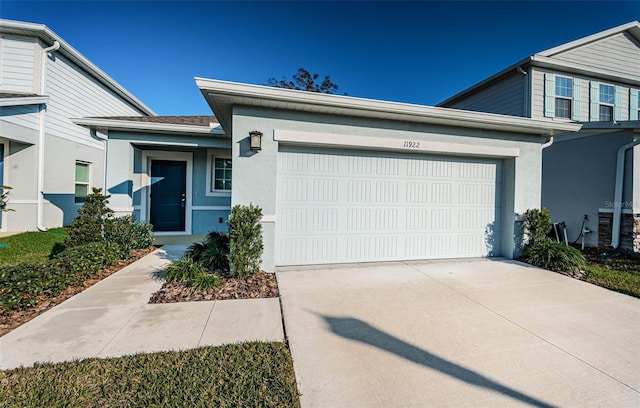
x,y
256,140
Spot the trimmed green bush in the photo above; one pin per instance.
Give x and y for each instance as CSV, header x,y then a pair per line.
x,y
89,225
128,234
537,225
86,259
184,269
245,235
555,256
212,252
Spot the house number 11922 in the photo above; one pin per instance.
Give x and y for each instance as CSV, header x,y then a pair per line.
x,y
411,144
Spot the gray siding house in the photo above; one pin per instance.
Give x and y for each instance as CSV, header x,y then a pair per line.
x,y
590,178
50,162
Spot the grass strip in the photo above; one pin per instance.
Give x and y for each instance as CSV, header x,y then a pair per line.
x,y
30,247
253,374
619,280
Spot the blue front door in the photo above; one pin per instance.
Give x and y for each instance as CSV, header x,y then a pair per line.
x,y
168,195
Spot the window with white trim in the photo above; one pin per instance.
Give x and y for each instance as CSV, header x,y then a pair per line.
x,y
606,103
564,94
83,170
219,172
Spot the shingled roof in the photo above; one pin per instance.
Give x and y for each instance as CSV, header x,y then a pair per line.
x,y
173,120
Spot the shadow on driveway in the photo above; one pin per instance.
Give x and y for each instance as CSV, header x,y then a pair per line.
x,y
357,330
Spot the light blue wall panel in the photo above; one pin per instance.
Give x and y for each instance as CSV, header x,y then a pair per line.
x,y
207,221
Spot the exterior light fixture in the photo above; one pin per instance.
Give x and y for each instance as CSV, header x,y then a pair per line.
x,y
256,140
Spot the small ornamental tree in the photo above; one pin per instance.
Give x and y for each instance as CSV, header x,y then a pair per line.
x,y
89,226
537,225
245,236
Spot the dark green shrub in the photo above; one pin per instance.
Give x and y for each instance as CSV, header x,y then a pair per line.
x,y
212,252
128,234
184,269
83,260
555,256
245,236
89,225
537,225
206,281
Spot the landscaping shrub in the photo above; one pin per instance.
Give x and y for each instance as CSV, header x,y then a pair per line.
x,y
128,234
554,256
206,281
86,259
89,225
212,252
4,198
537,225
184,269
245,236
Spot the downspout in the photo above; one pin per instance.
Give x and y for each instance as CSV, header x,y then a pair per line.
x,y
41,137
548,143
617,200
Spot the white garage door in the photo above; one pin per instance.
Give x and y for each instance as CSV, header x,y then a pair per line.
x,y
340,207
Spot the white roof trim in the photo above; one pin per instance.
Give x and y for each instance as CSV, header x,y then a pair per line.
x,y
48,36
146,127
633,25
27,100
223,95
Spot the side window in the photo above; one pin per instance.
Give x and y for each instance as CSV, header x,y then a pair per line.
x,y
82,181
219,172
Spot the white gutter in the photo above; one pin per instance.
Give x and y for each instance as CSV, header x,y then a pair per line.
x,y
548,143
41,138
617,200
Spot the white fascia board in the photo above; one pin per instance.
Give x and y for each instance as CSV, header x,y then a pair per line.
x,y
28,100
633,26
243,94
48,36
146,127
553,63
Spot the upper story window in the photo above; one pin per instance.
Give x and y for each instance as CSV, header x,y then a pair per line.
x,y
82,182
564,95
606,103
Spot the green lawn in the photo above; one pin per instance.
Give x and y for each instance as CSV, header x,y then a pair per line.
x,y
621,273
30,246
242,375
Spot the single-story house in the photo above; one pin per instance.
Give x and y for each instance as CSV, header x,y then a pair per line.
x,y
339,179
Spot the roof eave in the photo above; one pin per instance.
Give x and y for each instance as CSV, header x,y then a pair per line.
x,y
45,34
21,101
222,96
104,125
633,27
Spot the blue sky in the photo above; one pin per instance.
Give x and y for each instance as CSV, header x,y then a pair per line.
x,y
415,52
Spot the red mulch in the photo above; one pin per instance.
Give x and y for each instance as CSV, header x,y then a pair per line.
x,y
10,319
263,285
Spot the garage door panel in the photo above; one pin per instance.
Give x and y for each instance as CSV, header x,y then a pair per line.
x,y
336,206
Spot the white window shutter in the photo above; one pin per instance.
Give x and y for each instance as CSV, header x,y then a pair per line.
x,y
633,104
549,95
617,103
576,104
594,101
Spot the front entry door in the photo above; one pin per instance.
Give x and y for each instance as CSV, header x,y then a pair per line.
x,y
168,195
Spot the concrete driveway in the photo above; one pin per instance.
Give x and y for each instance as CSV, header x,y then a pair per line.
x,y
473,333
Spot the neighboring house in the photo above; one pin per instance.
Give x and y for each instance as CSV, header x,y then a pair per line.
x,y
339,179
591,174
50,162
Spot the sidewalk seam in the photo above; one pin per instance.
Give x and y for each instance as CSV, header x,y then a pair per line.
x,y
206,323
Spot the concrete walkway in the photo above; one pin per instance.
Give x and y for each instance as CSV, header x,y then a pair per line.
x,y
113,318
476,333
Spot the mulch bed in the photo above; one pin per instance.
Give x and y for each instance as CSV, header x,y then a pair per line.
x,y
263,285
9,320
